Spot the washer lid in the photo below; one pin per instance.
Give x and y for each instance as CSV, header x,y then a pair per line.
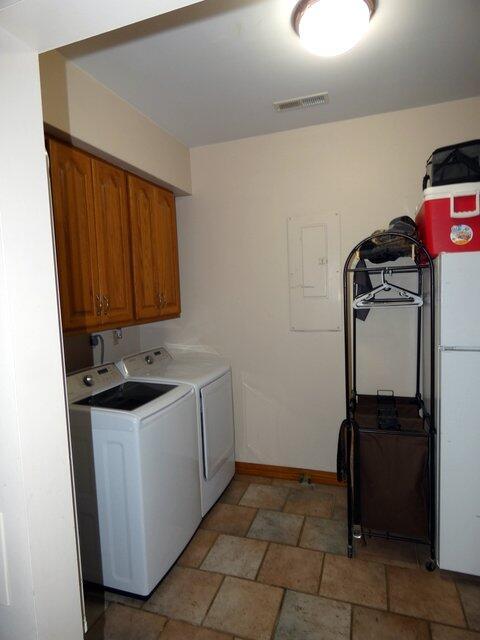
x,y
127,396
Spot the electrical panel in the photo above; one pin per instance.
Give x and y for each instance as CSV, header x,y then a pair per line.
x,y
314,273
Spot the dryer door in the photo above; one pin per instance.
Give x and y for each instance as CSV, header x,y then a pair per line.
x,y
217,424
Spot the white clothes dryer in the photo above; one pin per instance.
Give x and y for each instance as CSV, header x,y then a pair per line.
x,y
211,377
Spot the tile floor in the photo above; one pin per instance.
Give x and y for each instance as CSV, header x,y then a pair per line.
x,y
268,563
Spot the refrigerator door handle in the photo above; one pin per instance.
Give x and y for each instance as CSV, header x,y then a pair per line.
x,y
459,348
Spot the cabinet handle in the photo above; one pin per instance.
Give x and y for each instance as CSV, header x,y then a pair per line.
x,y
161,301
106,300
99,304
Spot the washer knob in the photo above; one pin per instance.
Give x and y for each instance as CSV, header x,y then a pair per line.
x,y
88,380
149,359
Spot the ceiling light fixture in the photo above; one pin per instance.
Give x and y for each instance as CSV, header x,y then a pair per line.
x,y
331,27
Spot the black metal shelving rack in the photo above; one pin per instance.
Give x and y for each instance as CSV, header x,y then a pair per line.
x,y
422,265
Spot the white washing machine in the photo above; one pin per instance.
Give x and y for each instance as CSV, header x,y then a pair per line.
x,y
211,377
136,468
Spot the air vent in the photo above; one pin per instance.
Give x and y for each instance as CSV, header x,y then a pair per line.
x,y
301,103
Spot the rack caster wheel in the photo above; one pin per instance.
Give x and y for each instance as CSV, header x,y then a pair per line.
x,y
350,552
430,565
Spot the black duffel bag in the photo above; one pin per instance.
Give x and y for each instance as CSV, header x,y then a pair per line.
x,y
453,164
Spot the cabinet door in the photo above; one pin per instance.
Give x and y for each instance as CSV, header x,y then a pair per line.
x,y
74,219
146,245
167,259
155,254
113,242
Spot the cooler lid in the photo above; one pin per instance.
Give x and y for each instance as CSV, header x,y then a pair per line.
x,y
449,190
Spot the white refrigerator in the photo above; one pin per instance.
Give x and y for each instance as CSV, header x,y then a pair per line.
x,y
458,411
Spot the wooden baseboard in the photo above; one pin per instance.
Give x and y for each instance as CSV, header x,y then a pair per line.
x,y
286,473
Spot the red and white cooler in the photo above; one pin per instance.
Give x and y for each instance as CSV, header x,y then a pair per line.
x,y
448,218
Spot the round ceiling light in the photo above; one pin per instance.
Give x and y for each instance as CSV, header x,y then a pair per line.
x,y
331,27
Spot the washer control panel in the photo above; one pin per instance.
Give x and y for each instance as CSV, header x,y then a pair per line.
x,y
136,365
90,381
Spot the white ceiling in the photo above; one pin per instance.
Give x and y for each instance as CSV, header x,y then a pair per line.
x,y
48,24
210,72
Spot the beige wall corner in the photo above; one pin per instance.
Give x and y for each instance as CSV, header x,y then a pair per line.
x,y
96,118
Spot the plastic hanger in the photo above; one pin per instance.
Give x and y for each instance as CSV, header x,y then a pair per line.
x,y
405,297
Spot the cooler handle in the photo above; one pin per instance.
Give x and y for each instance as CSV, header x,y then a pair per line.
x,y
465,214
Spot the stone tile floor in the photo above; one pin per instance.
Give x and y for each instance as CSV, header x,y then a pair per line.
x,y
268,563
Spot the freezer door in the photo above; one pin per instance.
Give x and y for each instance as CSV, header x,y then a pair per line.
x,y
459,299
217,424
459,470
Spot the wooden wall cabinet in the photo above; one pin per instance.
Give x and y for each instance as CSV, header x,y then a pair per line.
x,y
113,243
116,244
154,245
75,235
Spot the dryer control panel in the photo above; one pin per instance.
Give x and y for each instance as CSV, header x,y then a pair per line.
x,y
136,365
91,381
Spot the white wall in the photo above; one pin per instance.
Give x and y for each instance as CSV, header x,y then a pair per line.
x,y
288,386
114,349
98,119
35,480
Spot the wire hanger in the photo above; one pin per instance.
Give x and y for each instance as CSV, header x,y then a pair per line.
x,y
405,297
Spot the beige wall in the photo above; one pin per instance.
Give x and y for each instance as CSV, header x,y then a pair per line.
x,y
77,104
288,386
